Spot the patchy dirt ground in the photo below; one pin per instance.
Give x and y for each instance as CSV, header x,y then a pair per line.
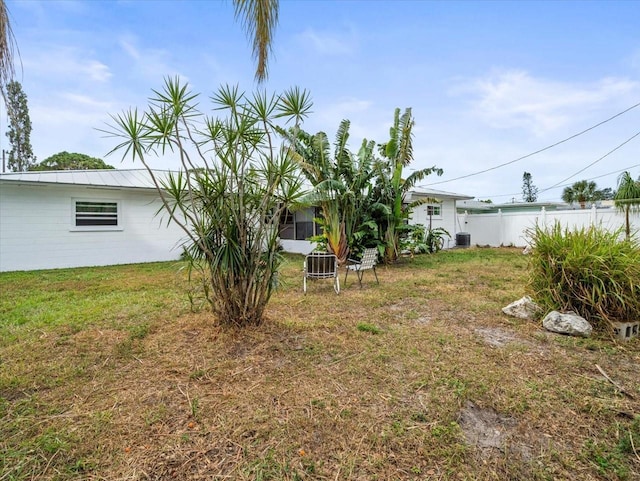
x,y
419,378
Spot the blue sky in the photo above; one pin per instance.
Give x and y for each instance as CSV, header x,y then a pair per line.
x,y
488,82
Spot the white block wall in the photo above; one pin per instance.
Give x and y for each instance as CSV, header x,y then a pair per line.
x,y
36,229
297,246
511,228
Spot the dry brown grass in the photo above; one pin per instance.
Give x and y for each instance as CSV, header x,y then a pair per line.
x,y
420,377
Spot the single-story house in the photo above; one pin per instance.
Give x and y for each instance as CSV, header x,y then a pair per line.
x,y
296,227
438,214
82,218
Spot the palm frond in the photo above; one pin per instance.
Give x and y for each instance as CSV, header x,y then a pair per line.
x,y
259,19
8,50
416,176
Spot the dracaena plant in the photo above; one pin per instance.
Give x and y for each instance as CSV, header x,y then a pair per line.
x,y
232,182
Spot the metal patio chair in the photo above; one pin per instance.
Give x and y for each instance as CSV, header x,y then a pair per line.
x,y
321,265
367,261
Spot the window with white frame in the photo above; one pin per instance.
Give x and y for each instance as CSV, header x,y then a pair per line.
x,y
96,214
434,210
298,225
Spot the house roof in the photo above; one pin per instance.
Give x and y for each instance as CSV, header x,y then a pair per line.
x,y
418,192
130,179
140,179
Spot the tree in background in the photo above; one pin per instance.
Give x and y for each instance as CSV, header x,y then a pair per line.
x,y
234,182
390,190
529,191
21,154
582,192
627,198
71,161
606,194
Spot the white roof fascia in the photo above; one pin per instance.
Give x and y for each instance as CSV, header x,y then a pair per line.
x,y
438,194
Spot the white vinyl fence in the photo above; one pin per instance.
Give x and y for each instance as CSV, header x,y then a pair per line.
x,y
510,228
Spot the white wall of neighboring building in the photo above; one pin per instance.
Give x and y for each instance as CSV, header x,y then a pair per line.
x,y
510,228
447,219
37,228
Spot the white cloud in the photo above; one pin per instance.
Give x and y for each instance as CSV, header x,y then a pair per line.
x,y
85,101
127,44
67,63
515,99
329,43
150,63
97,71
358,111
67,128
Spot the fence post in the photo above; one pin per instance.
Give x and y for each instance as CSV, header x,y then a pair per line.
x,y
543,215
500,228
593,215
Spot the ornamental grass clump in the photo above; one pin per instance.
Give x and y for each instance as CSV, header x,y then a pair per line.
x,y
590,271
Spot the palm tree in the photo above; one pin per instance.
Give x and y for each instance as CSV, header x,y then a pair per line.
x,y
391,188
582,192
259,19
627,198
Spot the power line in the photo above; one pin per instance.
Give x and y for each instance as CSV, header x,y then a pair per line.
x,y
537,151
605,175
563,185
593,163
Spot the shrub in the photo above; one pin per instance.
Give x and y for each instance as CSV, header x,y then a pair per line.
x,y
421,240
589,271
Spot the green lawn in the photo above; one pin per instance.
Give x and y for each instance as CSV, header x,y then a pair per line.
x,y
108,373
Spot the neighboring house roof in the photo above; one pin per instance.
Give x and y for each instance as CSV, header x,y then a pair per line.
x,y
129,179
475,205
478,206
418,192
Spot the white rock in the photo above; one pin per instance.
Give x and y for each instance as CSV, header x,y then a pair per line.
x,y
523,308
567,323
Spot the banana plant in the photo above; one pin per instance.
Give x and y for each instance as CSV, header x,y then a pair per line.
x,y
391,188
341,183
